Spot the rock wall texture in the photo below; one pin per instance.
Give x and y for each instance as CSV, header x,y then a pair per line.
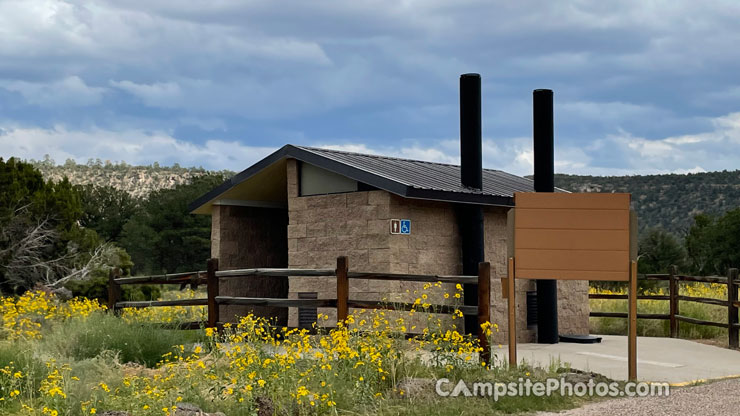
x,y
317,229
245,237
356,225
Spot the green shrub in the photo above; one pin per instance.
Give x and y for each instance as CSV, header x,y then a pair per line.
x,y
132,342
97,288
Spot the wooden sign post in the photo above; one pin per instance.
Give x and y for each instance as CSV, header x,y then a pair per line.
x,y
566,236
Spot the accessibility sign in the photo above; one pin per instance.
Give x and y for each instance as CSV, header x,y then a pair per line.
x,y
401,227
405,226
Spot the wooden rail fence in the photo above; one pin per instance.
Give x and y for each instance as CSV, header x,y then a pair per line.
x,y
674,279
212,276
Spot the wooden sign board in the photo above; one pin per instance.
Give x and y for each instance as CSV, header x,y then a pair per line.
x,y
573,236
570,236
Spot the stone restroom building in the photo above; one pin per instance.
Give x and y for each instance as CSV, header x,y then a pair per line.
x,y
303,207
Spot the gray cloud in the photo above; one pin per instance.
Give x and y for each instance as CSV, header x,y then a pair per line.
x,y
627,75
705,151
69,91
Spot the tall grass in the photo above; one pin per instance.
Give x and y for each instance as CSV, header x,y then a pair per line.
x,y
142,343
661,328
73,359
20,355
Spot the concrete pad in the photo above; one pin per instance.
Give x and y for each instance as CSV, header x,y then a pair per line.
x,y
676,361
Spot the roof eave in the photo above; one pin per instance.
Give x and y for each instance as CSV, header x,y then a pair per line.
x,y
460,197
351,172
238,178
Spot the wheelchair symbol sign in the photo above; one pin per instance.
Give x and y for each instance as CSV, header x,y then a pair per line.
x,y
401,227
405,227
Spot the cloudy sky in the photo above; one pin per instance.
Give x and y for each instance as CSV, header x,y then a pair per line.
x,y
640,86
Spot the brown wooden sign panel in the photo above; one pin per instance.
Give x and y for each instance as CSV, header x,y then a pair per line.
x,y
572,236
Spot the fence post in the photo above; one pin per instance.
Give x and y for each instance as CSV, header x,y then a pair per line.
x,y
342,289
212,289
114,289
632,324
511,312
484,310
673,290
732,318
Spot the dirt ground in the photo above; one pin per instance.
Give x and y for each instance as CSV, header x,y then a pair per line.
x,y
716,398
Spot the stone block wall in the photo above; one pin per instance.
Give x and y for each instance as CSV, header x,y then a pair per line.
x,y
323,227
573,308
317,229
496,235
247,237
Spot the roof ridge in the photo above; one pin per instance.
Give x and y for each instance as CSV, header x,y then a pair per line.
x,y
324,149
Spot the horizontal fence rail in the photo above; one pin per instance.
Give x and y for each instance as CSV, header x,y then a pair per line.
x,y
278,302
615,296
701,321
274,272
161,279
624,315
156,303
707,301
212,276
414,277
731,303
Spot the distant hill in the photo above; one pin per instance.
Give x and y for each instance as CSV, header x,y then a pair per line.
x,y
668,201
139,181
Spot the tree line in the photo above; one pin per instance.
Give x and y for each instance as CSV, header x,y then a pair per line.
x,y
710,247
667,201
691,221
57,234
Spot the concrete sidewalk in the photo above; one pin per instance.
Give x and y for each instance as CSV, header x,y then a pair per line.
x,y
676,361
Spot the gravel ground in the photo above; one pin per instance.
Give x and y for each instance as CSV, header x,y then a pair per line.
x,y
718,398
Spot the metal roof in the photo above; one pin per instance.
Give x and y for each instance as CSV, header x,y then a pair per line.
x,y
405,177
427,175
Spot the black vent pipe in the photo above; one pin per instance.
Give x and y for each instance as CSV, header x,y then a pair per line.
x,y
471,162
544,181
470,217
